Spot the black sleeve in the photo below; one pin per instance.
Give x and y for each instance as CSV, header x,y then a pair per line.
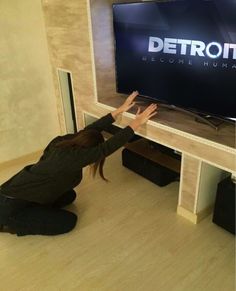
x,y
91,155
101,123
52,142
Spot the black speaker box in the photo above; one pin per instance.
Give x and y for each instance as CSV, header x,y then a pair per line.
x,y
148,169
224,210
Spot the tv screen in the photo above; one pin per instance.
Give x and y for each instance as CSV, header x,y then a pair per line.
x,y
182,53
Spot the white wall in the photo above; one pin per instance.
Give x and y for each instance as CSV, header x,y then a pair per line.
x,y
28,109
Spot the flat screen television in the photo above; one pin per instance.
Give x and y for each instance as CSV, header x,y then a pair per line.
x,y
181,53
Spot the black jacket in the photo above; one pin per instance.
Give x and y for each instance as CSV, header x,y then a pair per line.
x,y
60,169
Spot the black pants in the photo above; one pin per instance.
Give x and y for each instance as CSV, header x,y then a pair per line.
x,y
23,217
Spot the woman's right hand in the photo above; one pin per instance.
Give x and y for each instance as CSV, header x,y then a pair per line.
x,y
144,116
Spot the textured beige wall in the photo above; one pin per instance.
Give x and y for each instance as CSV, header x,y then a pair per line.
x,y
28,109
69,47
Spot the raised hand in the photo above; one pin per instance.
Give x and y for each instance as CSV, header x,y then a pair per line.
x,y
144,116
129,103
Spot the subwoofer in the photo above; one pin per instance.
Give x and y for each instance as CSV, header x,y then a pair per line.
x,y
224,210
148,169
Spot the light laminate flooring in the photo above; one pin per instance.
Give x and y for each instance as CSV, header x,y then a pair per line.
x,y
128,238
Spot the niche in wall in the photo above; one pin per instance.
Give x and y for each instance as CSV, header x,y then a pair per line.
x,y
104,68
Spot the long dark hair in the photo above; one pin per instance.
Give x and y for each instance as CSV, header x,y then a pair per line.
x,y
85,139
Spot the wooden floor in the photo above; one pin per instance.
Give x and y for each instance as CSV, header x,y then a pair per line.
x,y
128,238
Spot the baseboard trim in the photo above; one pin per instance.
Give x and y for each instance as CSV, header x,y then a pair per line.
x,y
204,213
22,159
194,217
187,214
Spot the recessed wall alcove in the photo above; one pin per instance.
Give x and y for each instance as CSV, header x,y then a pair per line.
x,y
105,84
205,151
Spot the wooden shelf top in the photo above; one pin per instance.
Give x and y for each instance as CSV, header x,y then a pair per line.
x,y
181,121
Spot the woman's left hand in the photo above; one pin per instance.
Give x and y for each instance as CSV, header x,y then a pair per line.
x,y
129,103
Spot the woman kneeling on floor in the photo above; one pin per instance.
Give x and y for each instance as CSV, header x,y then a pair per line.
x,y
31,201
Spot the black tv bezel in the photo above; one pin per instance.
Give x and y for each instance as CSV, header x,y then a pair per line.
x,y
156,100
